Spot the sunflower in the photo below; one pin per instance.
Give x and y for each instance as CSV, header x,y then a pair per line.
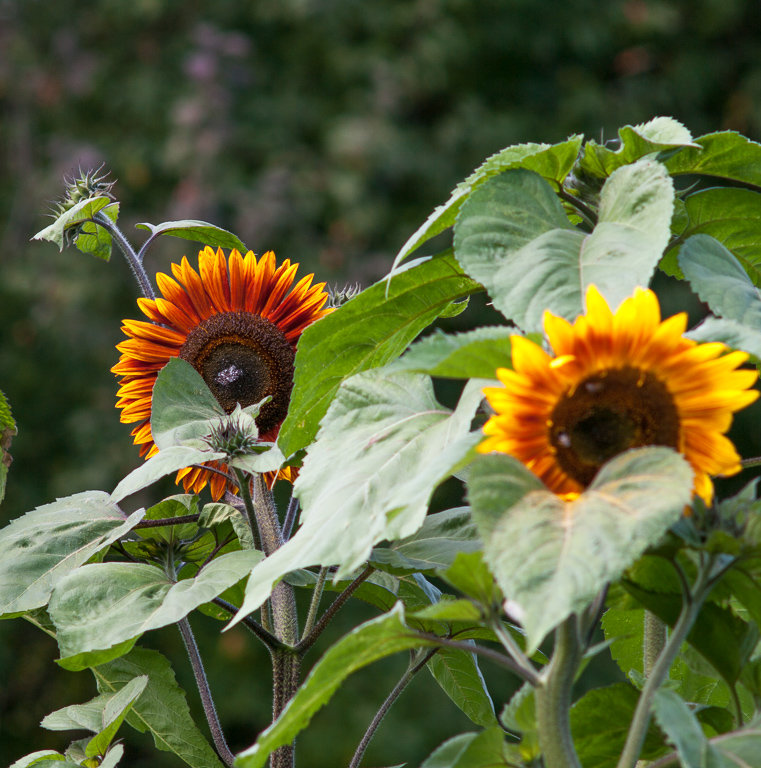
x,y
617,381
236,321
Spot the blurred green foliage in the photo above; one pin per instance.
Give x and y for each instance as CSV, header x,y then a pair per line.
x,y
326,130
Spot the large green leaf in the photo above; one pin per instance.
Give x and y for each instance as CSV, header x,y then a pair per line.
x,y
367,643
162,708
733,217
392,443
550,556
458,674
95,239
725,154
165,462
720,280
197,231
471,355
731,333
7,431
103,605
514,237
470,750
434,547
551,162
183,409
102,715
366,332
636,141
40,548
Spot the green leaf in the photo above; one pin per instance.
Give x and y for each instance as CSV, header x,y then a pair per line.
x,y
514,237
731,333
7,431
551,162
102,715
183,409
165,462
720,280
214,514
725,154
162,708
82,211
394,444
551,557
369,642
625,628
43,756
470,750
95,239
102,605
636,141
40,548
197,231
519,716
471,355
741,747
366,332
600,722
684,732
733,217
470,574
458,674
434,547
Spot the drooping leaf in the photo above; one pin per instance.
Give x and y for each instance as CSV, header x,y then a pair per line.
x,y
551,162
82,211
161,709
551,556
102,715
182,406
471,355
636,141
600,722
103,605
458,674
720,280
7,431
724,155
471,750
197,231
44,545
164,463
434,547
95,239
373,640
366,332
514,237
394,444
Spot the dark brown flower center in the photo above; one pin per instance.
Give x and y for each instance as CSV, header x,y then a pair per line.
x,y
243,358
608,413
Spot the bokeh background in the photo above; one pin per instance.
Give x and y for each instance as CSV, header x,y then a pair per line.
x,y
326,130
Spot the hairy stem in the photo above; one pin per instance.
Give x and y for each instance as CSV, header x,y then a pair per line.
x,y
641,719
521,660
257,629
410,672
181,520
135,264
315,602
209,709
553,698
653,641
290,517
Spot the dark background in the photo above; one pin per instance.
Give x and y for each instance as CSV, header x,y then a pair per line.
x,y
326,130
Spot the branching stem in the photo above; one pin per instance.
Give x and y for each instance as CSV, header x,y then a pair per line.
x,y
315,602
515,651
181,520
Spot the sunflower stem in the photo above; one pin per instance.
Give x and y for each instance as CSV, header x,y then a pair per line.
x,y
553,698
691,606
135,264
655,634
315,602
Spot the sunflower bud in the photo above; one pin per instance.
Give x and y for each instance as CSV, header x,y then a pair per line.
x,y
337,297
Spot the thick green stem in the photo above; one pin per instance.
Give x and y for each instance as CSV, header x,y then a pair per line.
x,y
653,641
315,603
643,712
553,698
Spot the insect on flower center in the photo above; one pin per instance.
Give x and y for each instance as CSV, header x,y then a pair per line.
x,y
608,413
243,358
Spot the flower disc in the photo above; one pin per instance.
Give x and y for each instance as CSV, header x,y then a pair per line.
x,y
617,381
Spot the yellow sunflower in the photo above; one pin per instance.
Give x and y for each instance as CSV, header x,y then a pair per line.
x,y
237,324
617,381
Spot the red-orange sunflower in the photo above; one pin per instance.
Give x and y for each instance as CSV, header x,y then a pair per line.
x,y
236,321
617,381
